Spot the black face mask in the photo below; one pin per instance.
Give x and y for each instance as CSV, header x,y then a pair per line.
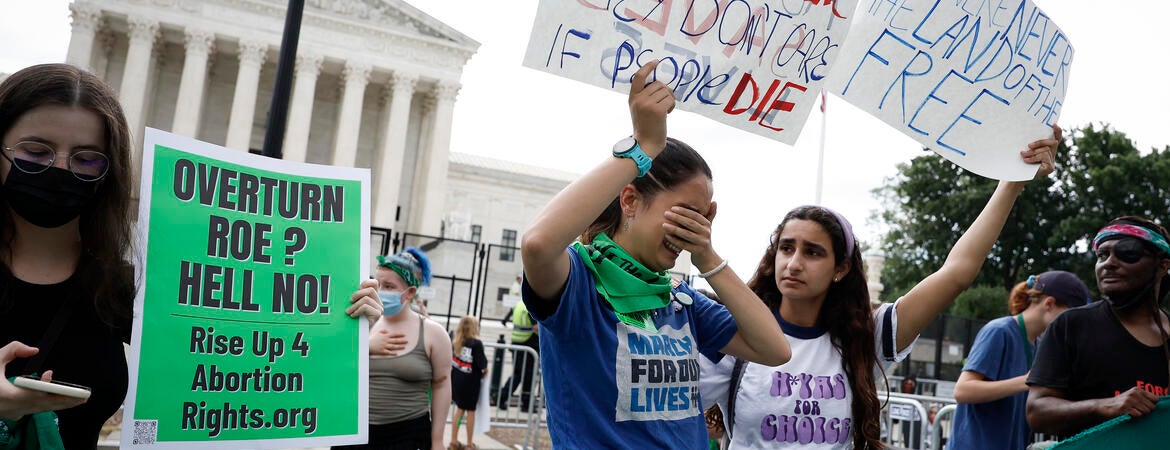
x,y
1127,300
48,199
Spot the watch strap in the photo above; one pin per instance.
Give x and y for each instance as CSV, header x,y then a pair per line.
x,y
641,159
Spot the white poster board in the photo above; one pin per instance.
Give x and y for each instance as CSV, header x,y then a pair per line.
x,y
751,64
973,81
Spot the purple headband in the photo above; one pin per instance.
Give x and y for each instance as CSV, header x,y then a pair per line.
x,y
845,226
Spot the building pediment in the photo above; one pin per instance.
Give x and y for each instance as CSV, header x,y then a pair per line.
x,y
385,33
394,15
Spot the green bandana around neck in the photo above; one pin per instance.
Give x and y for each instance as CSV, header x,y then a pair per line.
x,y
629,287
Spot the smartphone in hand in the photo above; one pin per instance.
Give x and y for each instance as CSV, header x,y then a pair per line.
x,y
52,387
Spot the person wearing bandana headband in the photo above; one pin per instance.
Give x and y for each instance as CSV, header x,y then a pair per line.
x,y
1111,357
619,339
64,235
401,413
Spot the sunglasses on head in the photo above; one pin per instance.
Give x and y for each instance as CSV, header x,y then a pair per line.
x,y
1127,250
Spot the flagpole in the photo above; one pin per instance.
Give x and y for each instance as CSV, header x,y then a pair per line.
x,y
821,154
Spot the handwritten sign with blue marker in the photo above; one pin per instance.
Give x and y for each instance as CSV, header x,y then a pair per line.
x,y
752,64
975,81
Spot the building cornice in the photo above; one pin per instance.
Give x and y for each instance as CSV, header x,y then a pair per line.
x,y
369,30
471,168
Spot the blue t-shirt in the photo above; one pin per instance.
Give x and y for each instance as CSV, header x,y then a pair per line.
x,y
611,385
998,353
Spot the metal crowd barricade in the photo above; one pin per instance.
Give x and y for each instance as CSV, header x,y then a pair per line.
x,y
910,410
944,419
530,416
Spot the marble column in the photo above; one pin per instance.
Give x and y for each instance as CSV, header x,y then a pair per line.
x,y
252,56
435,161
396,118
87,19
104,45
349,120
300,117
189,105
132,95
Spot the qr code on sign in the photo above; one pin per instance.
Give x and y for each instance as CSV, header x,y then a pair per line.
x,y
145,431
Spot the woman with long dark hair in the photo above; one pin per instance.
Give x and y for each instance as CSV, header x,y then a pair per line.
x,y
812,280
66,288
620,341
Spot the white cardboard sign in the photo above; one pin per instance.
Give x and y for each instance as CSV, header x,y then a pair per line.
x,y
751,64
973,81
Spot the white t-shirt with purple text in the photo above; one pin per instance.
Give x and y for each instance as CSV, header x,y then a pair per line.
x,y
806,402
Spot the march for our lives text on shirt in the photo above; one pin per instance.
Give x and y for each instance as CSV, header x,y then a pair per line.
x,y
657,374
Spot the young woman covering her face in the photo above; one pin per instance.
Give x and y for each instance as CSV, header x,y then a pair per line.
x,y
64,234
812,281
619,344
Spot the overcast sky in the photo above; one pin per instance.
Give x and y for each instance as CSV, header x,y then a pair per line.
x,y
509,112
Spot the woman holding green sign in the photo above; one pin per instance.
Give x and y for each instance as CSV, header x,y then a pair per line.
x,y
620,341
402,417
65,286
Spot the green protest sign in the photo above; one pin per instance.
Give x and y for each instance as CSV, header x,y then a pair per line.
x,y
1124,431
247,265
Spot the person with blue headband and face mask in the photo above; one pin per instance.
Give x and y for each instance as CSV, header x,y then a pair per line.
x,y
1108,358
402,416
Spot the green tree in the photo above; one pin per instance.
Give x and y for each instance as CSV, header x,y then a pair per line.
x,y
928,205
981,302
1104,177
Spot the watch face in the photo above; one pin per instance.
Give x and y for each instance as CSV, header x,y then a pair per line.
x,y
624,145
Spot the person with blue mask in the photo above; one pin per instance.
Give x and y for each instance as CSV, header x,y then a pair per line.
x,y
402,416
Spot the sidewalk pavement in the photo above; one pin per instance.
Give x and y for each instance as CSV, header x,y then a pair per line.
x,y
483,441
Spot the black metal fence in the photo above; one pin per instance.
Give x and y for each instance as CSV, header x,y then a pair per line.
x,y
942,348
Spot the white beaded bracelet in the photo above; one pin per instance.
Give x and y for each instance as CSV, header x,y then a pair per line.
x,y
714,271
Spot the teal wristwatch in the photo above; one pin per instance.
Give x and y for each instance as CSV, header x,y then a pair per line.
x,y
629,148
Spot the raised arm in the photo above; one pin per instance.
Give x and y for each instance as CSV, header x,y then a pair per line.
x,y
546,265
932,295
